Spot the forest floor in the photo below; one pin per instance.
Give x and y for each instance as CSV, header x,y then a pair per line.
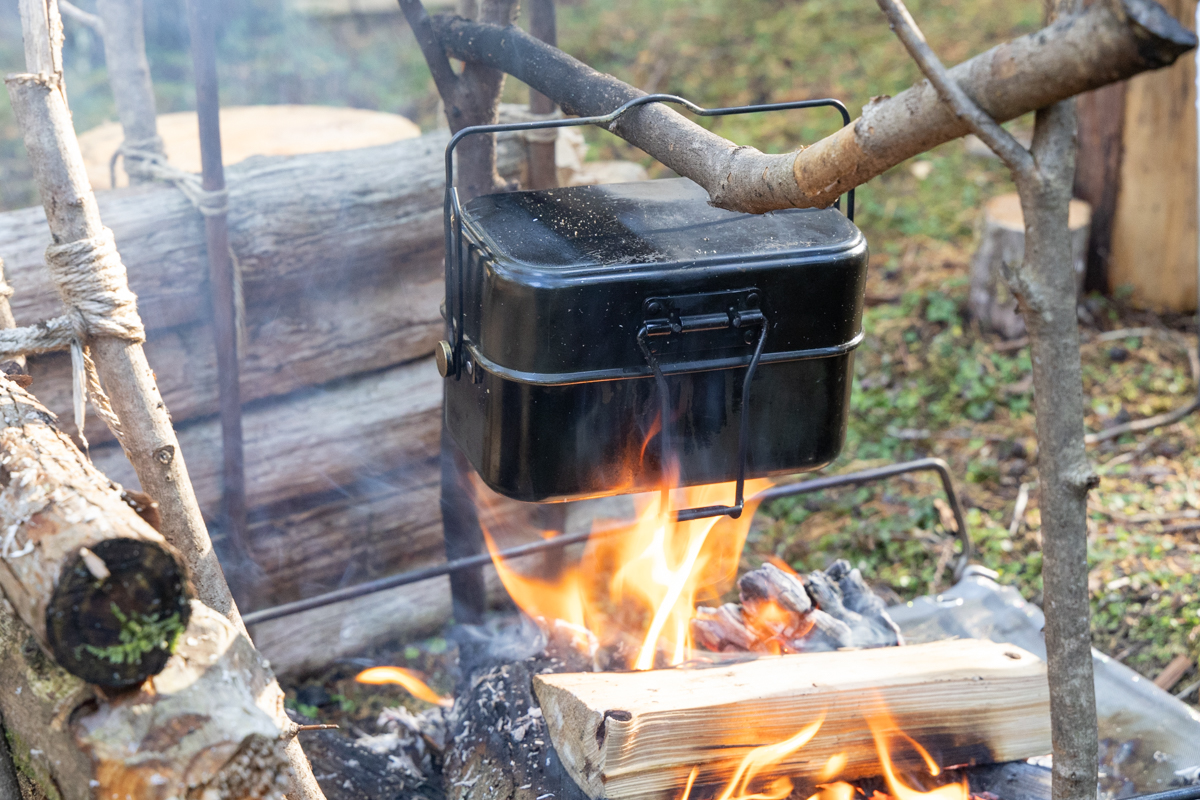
x,y
928,381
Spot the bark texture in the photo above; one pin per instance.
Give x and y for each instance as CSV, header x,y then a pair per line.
x,y
197,729
1109,42
39,103
102,591
1045,285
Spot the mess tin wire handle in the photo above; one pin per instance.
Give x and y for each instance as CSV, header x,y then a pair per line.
x,y
452,212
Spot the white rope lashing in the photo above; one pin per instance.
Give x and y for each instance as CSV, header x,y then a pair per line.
x,y
144,159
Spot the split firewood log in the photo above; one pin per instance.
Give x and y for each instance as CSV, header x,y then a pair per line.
x,y
781,612
100,588
634,735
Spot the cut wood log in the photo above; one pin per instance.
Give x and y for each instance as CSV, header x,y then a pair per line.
x,y
638,735
246,131
292,343
199,728
318,439
1002,247
297,223
101,589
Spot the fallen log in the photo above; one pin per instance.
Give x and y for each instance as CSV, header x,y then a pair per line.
x,y
296,223
317,439
635,735
199,728
101,590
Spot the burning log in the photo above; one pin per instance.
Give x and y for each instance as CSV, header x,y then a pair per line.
x,y
100,588
781,612
637,735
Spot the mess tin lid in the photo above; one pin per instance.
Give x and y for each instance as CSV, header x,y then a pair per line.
x,y
560,280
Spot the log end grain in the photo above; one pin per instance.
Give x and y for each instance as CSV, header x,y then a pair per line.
x,y
116,612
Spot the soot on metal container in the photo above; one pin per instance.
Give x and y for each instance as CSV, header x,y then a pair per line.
x,y
588,318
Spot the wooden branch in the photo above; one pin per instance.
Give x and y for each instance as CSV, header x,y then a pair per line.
x,y
102,590
73,215
129,77
83,17
149,440
1104,44
543,171
638,735
1010,151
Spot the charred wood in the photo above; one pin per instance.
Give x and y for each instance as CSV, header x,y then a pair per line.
x,y
781,612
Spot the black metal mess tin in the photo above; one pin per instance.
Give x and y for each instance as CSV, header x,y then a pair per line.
x,y
601,338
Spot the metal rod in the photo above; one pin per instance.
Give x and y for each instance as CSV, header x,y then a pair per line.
x,y
880,473
1186,793
471,562
202,27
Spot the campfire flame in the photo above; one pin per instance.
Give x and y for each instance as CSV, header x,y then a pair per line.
x,y
410,679
882,727
765,757
659,568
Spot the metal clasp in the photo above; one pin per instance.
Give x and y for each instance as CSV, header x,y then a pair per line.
x,y
665,317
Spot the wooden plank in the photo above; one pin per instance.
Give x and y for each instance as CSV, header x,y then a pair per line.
x,y
1154,234
1173,672
1098,172
638,735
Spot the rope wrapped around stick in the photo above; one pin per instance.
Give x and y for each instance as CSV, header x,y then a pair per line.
x,y
93,286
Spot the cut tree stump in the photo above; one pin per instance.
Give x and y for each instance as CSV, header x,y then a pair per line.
x,y
1001,247
99,587
284,130
638,735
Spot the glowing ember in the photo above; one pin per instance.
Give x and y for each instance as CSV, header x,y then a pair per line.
x,y
410,679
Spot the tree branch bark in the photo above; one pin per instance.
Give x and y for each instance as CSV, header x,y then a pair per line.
x,y
1107,43
129,76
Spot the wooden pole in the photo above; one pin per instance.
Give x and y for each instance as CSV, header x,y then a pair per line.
x,y
149,440
1045,286
1106,43
129,76
202,25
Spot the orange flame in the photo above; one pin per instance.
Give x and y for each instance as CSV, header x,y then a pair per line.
x,y
882,726
410,679
658,568
761,758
